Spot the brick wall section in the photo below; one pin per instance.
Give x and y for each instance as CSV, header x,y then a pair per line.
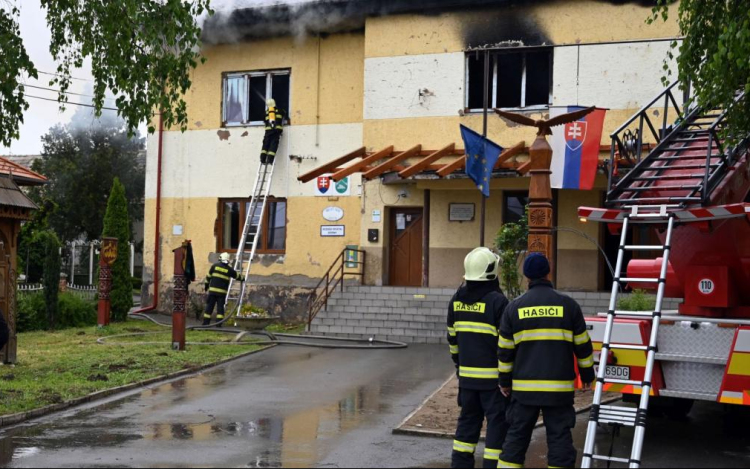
x,y
411,315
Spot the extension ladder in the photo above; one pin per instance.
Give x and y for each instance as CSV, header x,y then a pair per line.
x,y
251,235
620,416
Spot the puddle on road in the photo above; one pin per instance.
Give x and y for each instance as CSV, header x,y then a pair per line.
x,y
294,440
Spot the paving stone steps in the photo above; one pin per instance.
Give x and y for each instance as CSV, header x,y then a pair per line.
x,y
411,315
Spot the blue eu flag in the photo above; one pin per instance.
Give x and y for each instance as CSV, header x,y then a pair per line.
x,y
481,156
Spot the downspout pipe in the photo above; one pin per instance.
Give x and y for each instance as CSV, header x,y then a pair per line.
x,y
157,236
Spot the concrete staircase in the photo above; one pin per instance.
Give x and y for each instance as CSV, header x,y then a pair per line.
x,y
411,315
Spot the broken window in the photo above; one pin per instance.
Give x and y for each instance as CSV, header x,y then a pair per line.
x,y
245,95
514,206
232,215
518,79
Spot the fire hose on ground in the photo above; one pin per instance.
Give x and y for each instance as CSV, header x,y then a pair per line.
x,y
273,339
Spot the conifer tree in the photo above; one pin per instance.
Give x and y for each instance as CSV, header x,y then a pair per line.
x,y
117,225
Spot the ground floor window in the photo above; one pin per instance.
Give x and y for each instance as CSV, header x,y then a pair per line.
x,y
232,215
514,206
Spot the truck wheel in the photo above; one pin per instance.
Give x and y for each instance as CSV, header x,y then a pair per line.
x,y
678,409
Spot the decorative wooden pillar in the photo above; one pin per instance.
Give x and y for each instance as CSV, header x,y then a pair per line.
x,y
540,190
179,299
107,257
540,201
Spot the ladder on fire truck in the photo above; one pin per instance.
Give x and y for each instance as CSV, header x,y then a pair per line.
x,y
689,162
251,235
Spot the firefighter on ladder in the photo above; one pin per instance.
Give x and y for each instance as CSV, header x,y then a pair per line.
x,y
274,128
217,286
473,323
539,336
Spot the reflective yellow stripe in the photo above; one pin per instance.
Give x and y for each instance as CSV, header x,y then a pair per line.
x,y
221,269
222,276
502,463
480,373
206,316
462,447
587,362
543,334
216,290
452,332
505,367
475,327
454,349
543,386
506,344
219,317
492,454
581,339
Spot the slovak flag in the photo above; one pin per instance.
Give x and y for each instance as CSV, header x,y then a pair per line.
x,y
575,149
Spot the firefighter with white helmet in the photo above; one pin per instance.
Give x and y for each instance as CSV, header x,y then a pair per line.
x,y
474,317
275,118
217,286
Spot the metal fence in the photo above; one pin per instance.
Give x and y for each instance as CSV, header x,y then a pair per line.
x,y
29,288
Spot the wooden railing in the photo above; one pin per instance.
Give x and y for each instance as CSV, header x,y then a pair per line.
x,y
335,276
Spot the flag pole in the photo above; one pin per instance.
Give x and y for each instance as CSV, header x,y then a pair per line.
x,y
483,218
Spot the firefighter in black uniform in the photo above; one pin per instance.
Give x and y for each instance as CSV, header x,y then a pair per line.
x,y
473,323
217,286
274,128
541,333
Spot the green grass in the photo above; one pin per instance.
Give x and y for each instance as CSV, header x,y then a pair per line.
x,y
55,367
295,329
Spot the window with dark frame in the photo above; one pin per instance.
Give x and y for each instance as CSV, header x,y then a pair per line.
x,y
245,95
518,79
232,215
514,206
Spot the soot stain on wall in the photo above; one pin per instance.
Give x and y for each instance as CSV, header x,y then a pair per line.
x,y
506,27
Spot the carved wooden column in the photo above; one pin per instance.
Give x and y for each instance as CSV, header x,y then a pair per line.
x,y
107,257
179,300
541,216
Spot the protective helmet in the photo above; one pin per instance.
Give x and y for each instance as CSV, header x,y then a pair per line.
x,y
224,257
481,265
271,103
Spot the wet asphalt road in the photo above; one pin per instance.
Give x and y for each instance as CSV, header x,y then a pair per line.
x,y
296,407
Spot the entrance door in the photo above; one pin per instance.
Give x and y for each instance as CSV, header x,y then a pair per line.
x,y
406,247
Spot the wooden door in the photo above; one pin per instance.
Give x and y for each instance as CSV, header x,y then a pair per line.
x,y
406,247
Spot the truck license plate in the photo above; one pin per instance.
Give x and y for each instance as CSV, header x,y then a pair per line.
x,y
617,372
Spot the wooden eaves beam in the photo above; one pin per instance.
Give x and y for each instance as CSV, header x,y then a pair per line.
x,y
378,170
333,165
384,153
460,163
422,164
510,153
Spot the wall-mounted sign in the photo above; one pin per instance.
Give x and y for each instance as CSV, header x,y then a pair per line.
x,y
352,256
462,212
333,213
327,187
177,230
376,216
332,231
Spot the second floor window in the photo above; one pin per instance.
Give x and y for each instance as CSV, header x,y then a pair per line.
x,y
245,95
518,79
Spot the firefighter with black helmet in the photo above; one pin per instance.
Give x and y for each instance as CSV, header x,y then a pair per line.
x,y
217,286
473,323
542,334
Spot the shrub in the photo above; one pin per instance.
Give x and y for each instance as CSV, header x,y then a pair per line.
x,y
511,242
639,300
73,311
117,225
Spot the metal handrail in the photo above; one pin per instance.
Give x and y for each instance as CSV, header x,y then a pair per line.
x,y
645,108
334,276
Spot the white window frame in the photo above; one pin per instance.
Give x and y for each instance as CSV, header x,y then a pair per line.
x,y
269,74
495,82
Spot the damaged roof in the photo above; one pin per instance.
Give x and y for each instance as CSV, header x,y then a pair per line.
x,y
12,196
316,16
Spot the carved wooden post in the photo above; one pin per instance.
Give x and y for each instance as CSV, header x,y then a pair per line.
x,y
107,257
179,300
541,216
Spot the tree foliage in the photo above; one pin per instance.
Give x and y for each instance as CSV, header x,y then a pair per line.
x,y
714,57
14,64
117,225
511,242
141,50
31,246
82,164
51,279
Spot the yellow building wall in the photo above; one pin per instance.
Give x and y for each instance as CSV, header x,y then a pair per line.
x,y
339,75
564,22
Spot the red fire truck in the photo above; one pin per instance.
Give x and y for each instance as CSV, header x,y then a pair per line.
x,y
691,189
